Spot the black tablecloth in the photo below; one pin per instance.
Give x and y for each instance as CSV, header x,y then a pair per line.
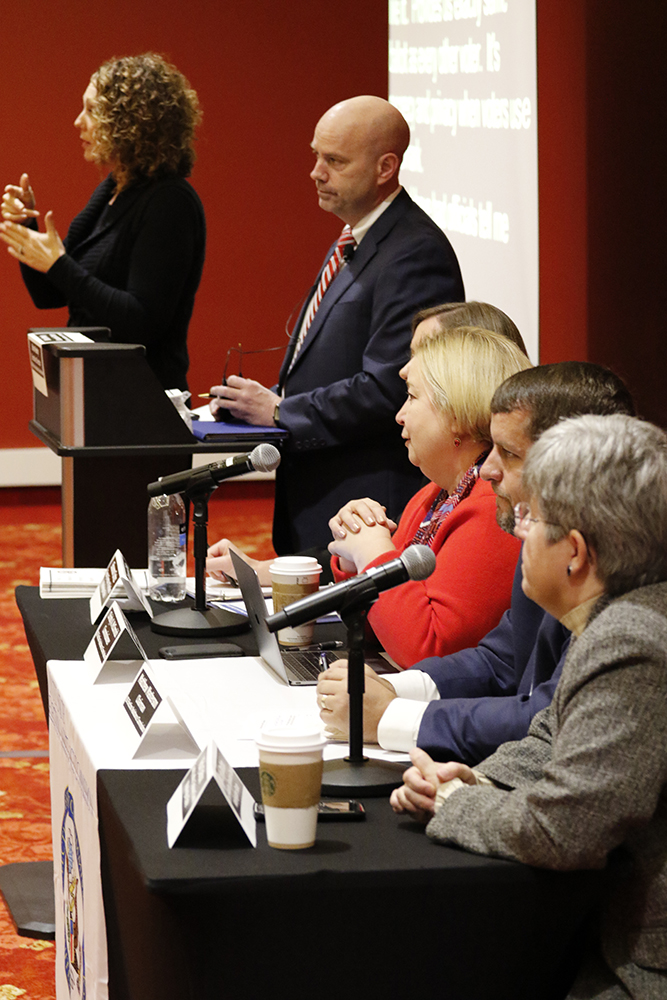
x,y
375,909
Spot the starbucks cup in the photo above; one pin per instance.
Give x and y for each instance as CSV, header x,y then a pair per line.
x,y
293,577
290,775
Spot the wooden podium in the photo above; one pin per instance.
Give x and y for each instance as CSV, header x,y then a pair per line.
x,y
108,417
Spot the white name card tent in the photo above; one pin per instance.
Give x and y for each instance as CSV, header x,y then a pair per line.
x,y
114,635
146,710
210,768
118,576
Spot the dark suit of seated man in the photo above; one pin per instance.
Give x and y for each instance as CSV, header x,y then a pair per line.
x,y
339,389
464,706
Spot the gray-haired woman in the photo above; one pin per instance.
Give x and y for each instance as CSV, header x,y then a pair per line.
x,y
591,776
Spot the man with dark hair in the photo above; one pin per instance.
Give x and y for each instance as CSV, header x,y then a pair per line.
x,y
464,706
550,392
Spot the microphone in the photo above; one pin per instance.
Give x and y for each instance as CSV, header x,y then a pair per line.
x,y
263,458
348,252
416,563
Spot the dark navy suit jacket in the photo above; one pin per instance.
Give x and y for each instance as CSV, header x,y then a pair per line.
x,y
343,392
490,693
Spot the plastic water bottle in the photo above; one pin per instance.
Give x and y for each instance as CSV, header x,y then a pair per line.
x,y
167,548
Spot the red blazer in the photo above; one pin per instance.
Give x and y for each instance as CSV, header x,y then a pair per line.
x,y
466,594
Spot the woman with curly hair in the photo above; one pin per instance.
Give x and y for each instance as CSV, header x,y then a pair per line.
x,y
132,260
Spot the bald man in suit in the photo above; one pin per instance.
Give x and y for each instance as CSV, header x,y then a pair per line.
x,y
339,388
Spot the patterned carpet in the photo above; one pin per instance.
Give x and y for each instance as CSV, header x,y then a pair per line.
x,y
32,538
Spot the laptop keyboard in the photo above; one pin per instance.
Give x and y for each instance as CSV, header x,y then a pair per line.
x,y
306,665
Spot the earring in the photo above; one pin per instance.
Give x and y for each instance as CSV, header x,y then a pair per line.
x,y
457,442
569,570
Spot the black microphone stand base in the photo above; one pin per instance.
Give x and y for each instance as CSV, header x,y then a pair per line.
x,y
369,777
199,624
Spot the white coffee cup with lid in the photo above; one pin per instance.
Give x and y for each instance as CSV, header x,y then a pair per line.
x,y
294,577
290,776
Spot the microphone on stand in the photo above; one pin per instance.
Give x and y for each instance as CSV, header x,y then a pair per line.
x,y
415,563
357,774
197,485
263,458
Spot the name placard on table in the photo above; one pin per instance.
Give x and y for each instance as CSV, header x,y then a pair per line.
x,y
144,703
115,635
118,572
36,343
210,767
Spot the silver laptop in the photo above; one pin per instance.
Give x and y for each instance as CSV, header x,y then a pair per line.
x,y
294,666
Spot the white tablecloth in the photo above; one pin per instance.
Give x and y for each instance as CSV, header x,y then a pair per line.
x,y
224,700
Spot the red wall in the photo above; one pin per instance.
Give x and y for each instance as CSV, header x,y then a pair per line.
x,y
602,80
561,118
265,72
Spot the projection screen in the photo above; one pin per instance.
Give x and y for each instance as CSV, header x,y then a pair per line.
x,y
463,73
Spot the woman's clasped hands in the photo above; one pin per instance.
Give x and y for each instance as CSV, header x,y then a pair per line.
x,y
361,532
421,782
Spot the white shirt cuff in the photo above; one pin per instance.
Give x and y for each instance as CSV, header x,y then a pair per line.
x,y
413,684
399,726
448,787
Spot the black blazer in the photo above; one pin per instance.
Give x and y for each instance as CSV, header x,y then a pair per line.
x,y
135,267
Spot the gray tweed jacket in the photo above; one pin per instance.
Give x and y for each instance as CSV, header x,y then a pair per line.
x,y
591,777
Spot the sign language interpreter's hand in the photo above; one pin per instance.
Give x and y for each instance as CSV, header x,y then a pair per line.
x,y
18,201
38,250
